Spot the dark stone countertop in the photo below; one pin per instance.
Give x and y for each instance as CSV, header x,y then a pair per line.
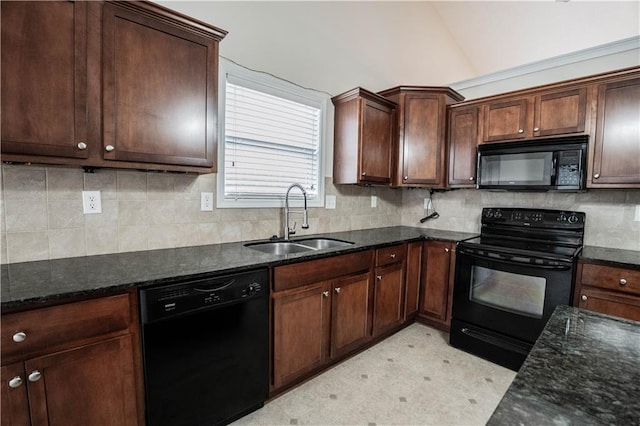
x,y
583,370
29,284
611,256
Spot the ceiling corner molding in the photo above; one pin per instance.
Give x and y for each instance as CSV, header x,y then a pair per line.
x,y
624,45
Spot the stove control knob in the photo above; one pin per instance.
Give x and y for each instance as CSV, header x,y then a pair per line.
x,y
489,213
572,219
498,214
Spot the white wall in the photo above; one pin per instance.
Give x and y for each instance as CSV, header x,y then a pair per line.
x,y
335,46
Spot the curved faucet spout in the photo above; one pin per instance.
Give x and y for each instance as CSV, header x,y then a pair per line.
x,y
287,212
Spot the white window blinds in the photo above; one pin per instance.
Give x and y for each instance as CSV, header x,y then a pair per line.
x,y
271,141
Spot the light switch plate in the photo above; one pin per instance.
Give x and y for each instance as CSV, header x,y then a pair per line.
x,y
330,202
374,201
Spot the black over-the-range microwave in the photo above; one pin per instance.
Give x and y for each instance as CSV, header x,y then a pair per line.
x,y
538,165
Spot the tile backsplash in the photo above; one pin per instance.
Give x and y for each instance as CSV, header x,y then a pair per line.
x,y
42,218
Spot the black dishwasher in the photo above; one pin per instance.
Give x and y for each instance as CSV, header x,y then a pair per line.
x,y
206,349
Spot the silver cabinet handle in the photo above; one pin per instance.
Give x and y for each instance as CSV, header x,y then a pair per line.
x,y
520,130
34,376
406,177
447,250
584,297
623,281
337,289
379,277
536,129
82,145
471,178
364,173
19,337
325,293
15,382
392,255
596,176
109,148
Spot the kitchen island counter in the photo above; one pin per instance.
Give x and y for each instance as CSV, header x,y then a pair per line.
x,y
583,370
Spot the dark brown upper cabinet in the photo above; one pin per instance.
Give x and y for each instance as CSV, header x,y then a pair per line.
x,y
548,113
44,79
463,143
160,87
419,145
363,138
108,84
615,148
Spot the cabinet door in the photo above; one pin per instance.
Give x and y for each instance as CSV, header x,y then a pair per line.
x,y
463,143
436,281
610,303
376,138
91,385
560,112
412,290
617,140
388,298
159,90
44,74
423,140
13,394
351,315
505,120
301,321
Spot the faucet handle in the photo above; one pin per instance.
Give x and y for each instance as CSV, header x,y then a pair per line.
x,y
292,230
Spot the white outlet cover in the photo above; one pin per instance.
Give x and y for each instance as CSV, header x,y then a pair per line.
x,y
427,203
206,201
637,213
330,202
91,202
374,201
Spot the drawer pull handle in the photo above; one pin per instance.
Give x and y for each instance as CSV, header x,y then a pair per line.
x,y
337,289
446,249
536,129
34,376
393,256
623,281
520,130
16,382
109,148
584,297
19,337
82,146
379,277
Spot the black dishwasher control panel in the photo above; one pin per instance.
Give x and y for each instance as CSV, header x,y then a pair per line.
x,y
175,299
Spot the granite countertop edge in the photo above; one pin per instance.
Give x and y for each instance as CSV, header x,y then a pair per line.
x,y
29,285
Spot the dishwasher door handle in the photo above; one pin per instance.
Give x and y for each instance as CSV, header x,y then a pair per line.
x,y
209,290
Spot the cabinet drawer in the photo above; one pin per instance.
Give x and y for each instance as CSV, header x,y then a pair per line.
x,y
313,271
627,280
389,255
57,325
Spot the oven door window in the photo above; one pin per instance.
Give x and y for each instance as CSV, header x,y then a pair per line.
x,y
510,292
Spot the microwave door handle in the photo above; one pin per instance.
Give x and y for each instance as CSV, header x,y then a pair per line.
x,y
554,163
502,259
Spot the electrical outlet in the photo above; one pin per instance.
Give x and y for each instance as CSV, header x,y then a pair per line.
x,y
427,203
91,202
637,213
330,202
206,201
374,201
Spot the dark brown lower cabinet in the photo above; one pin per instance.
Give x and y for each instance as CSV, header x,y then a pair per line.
x,y
413,272
318,322
389,298
437,283
67,381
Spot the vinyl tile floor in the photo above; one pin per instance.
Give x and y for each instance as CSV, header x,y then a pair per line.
x,y
411,378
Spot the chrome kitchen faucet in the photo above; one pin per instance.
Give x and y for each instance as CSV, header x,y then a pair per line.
x,y
305,218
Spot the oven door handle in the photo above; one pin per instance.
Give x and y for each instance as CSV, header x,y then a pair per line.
x,y
506,260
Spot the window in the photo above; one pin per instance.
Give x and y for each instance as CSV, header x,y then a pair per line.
x,y
272,136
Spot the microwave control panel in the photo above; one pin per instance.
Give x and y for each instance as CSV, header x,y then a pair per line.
x,y
569,168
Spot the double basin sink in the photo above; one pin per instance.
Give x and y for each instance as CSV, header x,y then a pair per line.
x,y
297,246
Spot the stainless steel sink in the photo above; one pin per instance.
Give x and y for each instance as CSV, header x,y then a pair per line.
x,y
280,248
324,243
